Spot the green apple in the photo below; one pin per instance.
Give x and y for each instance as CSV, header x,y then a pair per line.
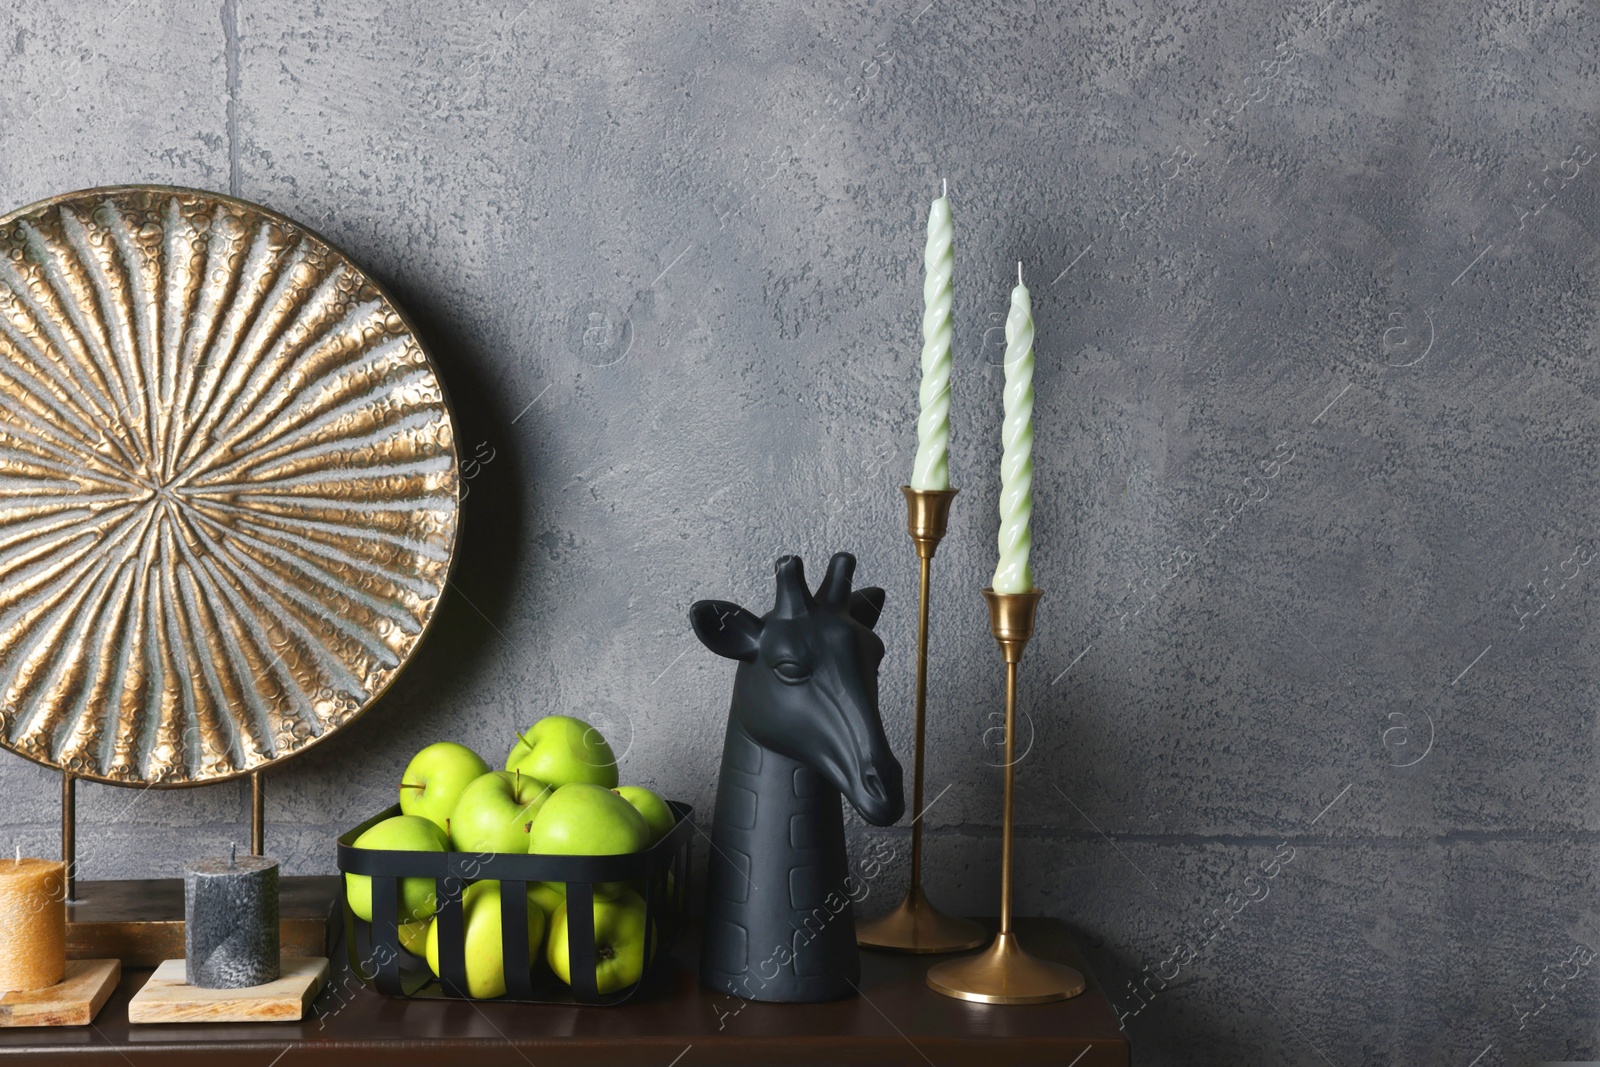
x,y
580,819
496,811
414,936
486,967
403,833
619,929
656,813
435,778
548,895
559,749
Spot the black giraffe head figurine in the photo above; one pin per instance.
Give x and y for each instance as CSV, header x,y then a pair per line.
x,y
803,728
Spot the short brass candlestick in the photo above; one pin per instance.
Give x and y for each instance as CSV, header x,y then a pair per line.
x,y
1004,973
915,925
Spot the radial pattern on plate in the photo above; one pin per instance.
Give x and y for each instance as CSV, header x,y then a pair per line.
x,y
228,486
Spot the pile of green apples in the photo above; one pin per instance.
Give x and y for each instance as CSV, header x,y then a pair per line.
x,y
558,795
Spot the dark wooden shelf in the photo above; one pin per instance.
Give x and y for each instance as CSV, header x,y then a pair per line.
x,y
897,1020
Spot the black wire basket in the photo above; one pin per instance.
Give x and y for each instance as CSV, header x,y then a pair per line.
x,y
377,956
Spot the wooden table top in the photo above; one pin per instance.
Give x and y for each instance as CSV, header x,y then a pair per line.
x,y
896,1020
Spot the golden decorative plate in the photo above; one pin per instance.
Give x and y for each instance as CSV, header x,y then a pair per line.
x,y
228,486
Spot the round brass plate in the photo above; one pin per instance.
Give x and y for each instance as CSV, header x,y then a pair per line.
x,y
228,486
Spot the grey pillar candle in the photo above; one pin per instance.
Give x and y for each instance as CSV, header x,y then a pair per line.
x,y
230,909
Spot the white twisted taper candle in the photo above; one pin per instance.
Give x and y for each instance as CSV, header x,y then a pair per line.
x,y
931,469
1013,575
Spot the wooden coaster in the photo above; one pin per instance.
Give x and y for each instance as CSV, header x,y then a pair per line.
x,y
167,998
73,1001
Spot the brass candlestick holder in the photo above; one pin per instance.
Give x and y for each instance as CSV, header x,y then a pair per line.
x,y
1004,973
915,925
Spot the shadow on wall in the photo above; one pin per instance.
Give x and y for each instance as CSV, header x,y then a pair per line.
x,y
490,544
474,613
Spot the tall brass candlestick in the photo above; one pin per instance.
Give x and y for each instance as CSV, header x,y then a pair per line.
x,y
915,925
1004,973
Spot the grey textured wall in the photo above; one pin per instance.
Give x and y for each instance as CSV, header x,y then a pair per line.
x,y
1315,458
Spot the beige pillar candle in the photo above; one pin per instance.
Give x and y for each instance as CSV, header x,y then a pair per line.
x,y
33,923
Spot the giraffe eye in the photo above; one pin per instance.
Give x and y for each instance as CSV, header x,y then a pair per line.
x,y
791,672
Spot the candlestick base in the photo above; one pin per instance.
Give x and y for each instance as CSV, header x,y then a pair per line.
x,y
1005,974
917,926
73,1001
167,998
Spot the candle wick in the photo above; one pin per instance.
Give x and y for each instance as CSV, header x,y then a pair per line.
x,y
1019,272
946,182
19,855
233,853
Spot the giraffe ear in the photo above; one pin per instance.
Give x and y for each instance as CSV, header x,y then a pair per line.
x,y
866,605
726,629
